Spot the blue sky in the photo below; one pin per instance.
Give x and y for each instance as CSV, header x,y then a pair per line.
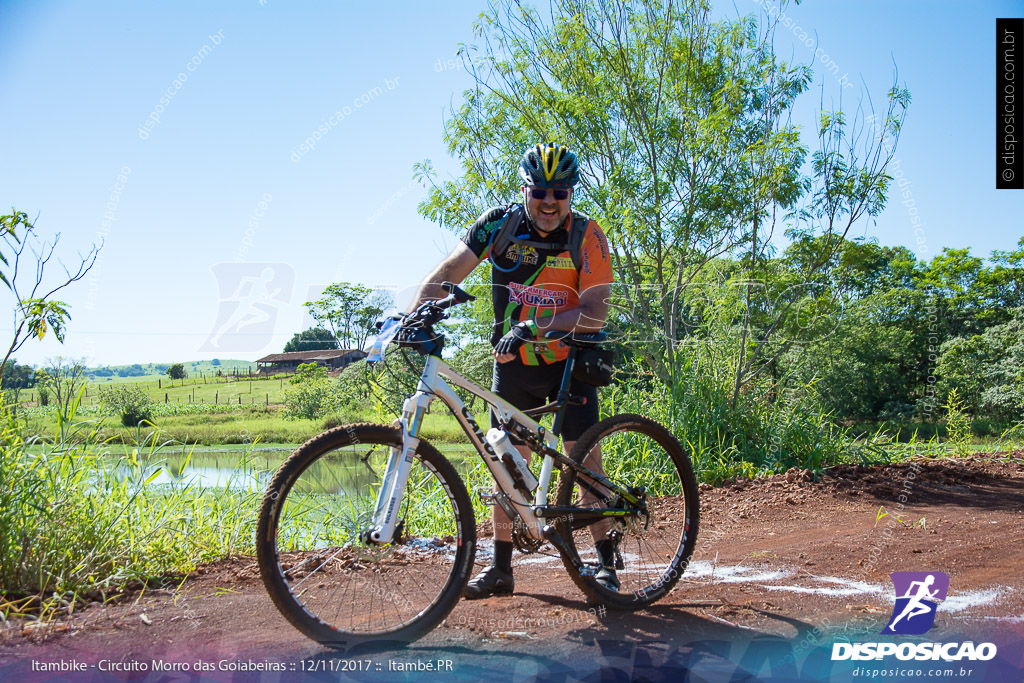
x,y
218,172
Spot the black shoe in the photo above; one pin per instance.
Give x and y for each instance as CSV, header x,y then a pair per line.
x,y
607,579
491,581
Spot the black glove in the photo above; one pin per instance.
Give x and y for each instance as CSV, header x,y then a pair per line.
x,y
516,337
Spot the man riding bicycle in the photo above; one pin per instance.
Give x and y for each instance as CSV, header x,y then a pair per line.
x,y
551,270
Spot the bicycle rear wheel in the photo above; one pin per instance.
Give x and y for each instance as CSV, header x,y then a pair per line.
x,y
652,549
333,586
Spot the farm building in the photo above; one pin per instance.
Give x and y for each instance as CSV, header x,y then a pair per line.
x,y
333,359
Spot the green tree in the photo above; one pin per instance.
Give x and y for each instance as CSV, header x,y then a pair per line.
x,y
350,311
954,278
682,126
313,339
24,258
18,376
876,362
177,371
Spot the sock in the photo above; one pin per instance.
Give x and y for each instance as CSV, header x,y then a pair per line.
x,y
503,555
605,552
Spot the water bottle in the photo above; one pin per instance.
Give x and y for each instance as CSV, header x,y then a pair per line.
x,y
514,463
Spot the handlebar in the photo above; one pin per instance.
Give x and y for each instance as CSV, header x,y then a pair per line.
x,y
430,312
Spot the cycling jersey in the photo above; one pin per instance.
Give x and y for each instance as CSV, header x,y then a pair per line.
x,y
533,283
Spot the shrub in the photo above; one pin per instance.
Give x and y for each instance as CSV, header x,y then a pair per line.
x,y
131,403
177,371
308,372
958,423
312,395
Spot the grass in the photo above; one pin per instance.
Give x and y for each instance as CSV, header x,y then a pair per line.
x,y
234,426
220,391
85,522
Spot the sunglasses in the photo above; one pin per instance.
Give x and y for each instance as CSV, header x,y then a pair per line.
x,y
541,193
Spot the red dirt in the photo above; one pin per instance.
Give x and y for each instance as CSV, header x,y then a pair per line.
x,y
768,553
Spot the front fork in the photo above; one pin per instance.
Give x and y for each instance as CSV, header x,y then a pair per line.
x,y
396,475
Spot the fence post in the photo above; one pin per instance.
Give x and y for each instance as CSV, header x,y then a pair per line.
x,y
216,397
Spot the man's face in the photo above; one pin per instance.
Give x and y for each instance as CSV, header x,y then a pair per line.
x,y
547,213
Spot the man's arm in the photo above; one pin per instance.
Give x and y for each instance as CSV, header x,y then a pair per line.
x,y
588,316
455,267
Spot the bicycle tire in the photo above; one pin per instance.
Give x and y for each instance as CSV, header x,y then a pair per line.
x,y
622,439
306,529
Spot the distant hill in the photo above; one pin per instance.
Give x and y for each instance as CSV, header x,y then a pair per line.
x,y
196,368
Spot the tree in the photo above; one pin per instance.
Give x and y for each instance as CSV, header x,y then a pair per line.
x,y
313,339
177,371
687,150
350,310
24,261
18,376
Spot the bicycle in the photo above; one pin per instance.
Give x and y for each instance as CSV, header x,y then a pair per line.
x,y
385,562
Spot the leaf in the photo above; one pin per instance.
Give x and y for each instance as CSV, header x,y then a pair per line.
x,y
881,513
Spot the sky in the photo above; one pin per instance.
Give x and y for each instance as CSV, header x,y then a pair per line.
x,y
213,214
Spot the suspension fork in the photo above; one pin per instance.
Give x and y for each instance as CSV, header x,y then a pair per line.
x,y
396,475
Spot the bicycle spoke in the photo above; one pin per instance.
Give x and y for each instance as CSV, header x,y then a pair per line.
x,y
330,582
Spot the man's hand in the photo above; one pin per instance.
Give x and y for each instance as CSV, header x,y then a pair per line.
x,y
506,348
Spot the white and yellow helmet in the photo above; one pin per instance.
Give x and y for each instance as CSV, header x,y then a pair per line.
x,y
549,165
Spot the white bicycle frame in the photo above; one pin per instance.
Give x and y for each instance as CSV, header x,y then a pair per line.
x,y
396,476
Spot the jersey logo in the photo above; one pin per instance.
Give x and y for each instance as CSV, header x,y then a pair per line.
x,y
525,255
535,296
560,262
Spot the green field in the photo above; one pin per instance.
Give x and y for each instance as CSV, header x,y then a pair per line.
x,y
212,390
232,425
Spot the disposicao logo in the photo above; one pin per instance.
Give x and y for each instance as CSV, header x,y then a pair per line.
x,y
917,598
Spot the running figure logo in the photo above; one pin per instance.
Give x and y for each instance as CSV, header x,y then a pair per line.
x,y
917,597
250,296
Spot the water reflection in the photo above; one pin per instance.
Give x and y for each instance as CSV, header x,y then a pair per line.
x,y
233,470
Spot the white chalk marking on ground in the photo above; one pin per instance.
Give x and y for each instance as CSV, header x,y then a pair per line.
x,y
962,601
836,586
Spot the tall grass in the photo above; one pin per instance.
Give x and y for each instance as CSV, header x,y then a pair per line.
x,y
772,427
80,521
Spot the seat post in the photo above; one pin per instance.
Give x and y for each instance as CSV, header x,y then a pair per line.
x,y
563,391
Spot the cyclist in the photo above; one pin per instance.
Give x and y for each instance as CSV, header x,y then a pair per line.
x,y
537,286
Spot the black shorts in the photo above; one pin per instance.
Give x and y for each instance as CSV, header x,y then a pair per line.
x,y
531,386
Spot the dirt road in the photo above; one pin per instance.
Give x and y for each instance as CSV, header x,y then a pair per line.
x,y
789,560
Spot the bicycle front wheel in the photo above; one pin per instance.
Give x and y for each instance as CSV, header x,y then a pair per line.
x,y
651,549
329,583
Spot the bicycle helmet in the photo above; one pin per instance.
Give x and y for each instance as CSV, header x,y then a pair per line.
x,y
549,165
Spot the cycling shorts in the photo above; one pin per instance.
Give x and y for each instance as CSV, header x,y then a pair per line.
x,y
531,386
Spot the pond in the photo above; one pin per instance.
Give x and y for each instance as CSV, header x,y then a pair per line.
x,y
233,469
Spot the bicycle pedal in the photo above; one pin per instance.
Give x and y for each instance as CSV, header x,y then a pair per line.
x,y
486,495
